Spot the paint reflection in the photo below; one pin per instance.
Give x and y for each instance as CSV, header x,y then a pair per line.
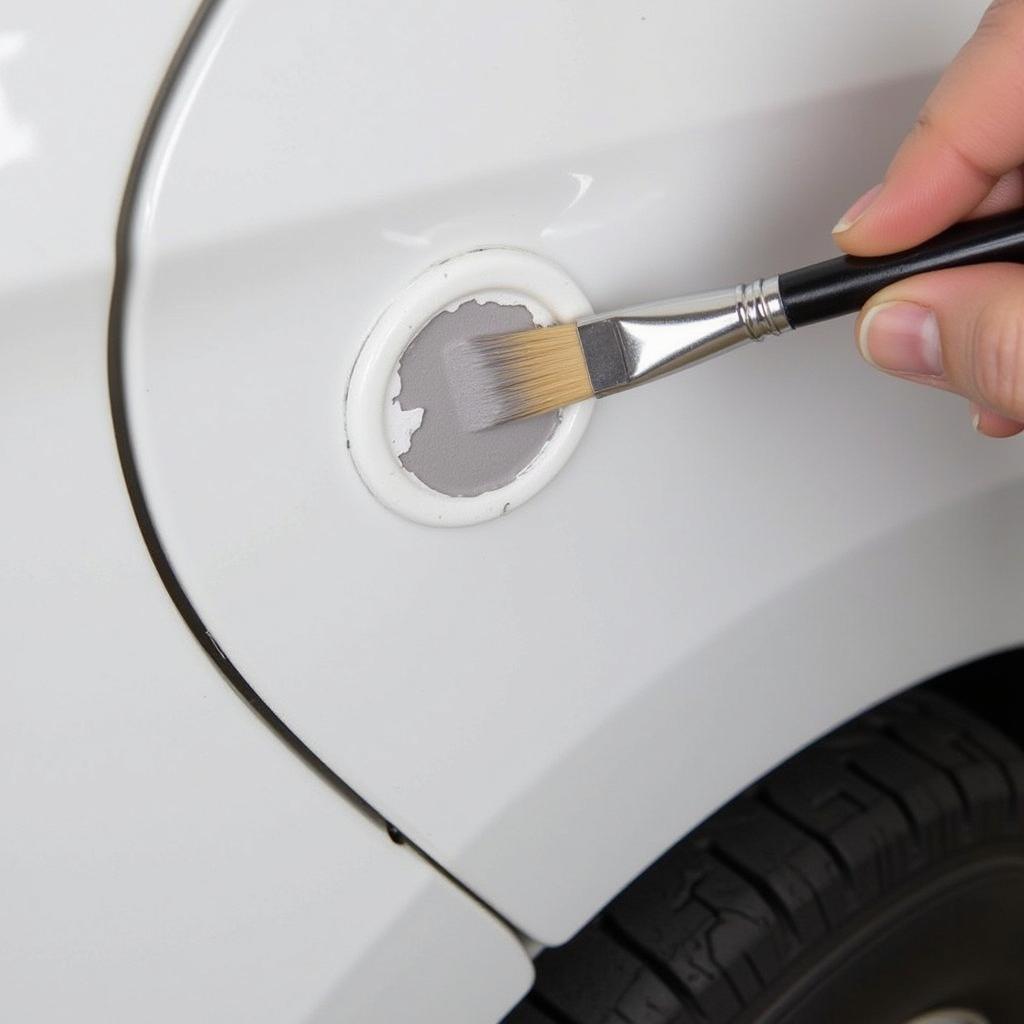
x,y
406,238
631,204
17,138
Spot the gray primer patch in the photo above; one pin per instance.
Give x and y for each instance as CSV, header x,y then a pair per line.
x,y
444,455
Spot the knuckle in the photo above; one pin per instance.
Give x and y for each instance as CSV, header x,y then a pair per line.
x,y
998,359
924,122
1002,7
1004,18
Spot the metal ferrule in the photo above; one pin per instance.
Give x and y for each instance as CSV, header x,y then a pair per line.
x,y
636,345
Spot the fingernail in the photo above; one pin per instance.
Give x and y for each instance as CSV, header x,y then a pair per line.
x,y
976,417
901,337
855,212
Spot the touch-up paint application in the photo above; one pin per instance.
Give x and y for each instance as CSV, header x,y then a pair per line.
x,y
442,453
402,423
695,588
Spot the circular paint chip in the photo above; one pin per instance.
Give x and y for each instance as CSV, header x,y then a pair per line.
x,y
402,420
440,452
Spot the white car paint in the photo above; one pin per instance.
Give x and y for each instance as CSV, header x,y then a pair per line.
x,y
731,563
163,856
375,440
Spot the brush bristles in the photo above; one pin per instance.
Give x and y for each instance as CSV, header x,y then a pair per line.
x,y
510,376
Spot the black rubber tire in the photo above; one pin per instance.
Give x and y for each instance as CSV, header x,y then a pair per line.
x,y
874,876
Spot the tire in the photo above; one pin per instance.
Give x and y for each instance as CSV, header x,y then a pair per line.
x,y
876,875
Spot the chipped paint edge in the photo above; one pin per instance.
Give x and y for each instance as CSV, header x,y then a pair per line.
x,y
376,426
402,423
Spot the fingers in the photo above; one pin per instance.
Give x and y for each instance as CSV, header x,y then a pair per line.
x,y
992,424
1006,194
959,330
964,153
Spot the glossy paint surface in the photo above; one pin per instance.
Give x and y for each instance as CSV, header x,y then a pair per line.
x,y
732,562
163,856
59,194
375,430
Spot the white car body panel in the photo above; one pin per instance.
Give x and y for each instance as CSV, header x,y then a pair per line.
x,y
731,563
164,857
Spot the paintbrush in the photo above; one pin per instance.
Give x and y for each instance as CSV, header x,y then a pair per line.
x,y
510,376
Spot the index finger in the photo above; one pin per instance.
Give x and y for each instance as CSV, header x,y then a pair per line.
x,y
968,138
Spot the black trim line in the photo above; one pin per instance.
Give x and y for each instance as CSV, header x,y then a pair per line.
x,y
122,433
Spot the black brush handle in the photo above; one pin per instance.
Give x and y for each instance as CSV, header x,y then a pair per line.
x,y
825,290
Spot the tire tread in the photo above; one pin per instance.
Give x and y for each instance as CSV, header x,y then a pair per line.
x,y
701,933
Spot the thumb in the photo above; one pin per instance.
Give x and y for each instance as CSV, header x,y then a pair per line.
x,y
959,330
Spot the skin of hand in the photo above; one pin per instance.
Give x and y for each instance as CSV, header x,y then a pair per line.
x,y
958,330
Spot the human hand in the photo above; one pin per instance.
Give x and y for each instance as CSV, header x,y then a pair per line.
x,y
959,330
